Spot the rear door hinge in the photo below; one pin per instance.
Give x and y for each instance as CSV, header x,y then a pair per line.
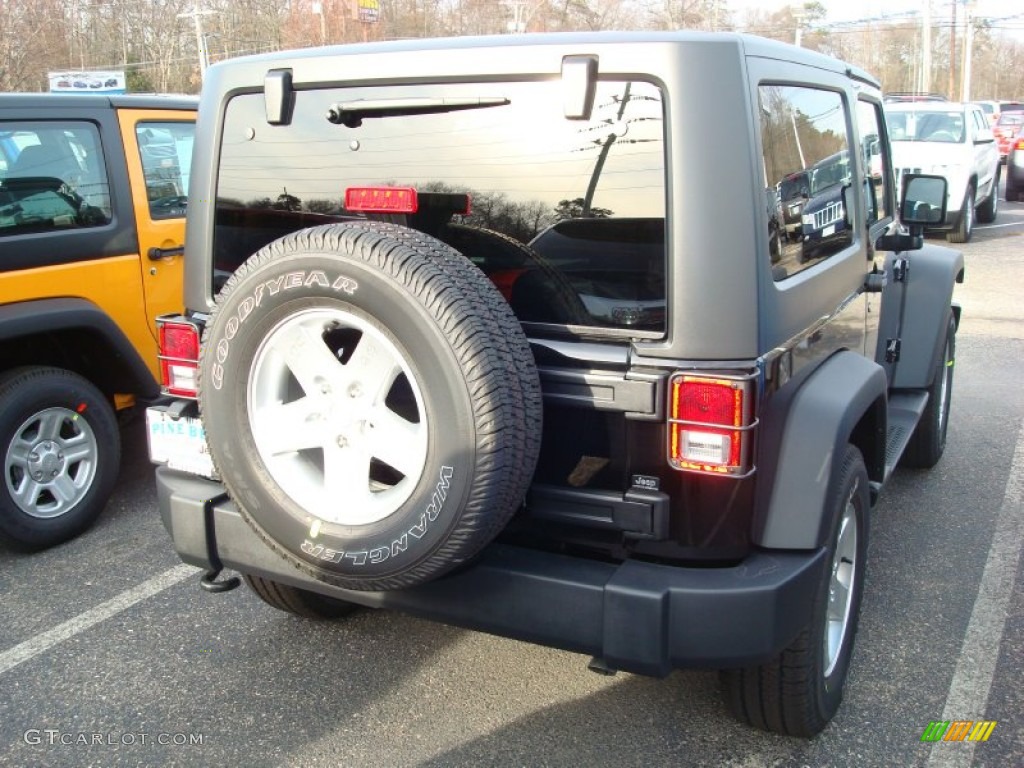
x,y
900,269
892,350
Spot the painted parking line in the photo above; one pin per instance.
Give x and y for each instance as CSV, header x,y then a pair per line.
x,y
976,665
998,226
83,621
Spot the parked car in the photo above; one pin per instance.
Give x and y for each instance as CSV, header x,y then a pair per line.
x,y
794,191
1005,130
88,263
825,220
899,97
990,108
954,141
636,437
1015,168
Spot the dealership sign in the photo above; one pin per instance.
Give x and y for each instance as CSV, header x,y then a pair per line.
x,y
110,81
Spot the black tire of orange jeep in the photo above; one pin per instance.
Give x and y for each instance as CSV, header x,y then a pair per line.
x,y
58,424
467,371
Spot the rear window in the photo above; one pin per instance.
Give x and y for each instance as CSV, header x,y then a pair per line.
x,y
926,125
541,182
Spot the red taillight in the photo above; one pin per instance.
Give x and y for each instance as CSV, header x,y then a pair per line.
x,y
179,357
710,422
1019,144
381,199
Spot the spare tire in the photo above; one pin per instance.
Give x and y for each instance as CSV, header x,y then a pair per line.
x,y
370,403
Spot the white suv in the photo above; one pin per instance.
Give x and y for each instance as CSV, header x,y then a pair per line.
x,y
955,141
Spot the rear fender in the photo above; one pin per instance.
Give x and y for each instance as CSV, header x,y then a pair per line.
x,y
803,434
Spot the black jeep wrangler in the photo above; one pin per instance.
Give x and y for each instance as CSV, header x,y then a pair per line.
x,y
491,331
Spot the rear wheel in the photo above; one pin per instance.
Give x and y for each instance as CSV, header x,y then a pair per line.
x,y
61,453
301,602
798,692
990,205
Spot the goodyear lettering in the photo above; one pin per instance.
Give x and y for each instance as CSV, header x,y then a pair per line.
x,y
274,286
245,308
317,278
345,285
399,545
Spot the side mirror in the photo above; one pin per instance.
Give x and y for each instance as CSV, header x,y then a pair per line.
x,y
924,205
924,200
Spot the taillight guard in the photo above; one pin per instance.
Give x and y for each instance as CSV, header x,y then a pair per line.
x,y
711,423
178,338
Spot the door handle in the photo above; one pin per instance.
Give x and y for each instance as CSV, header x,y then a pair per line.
x,y
156,254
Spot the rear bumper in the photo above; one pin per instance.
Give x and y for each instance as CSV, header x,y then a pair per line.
x,y
634,616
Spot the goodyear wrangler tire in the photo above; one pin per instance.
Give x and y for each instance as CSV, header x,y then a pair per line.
x,y
370,403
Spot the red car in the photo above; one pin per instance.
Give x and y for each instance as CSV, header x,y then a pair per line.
x,y
1010,121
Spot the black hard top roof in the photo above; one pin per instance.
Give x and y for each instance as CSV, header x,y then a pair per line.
x,y
97,101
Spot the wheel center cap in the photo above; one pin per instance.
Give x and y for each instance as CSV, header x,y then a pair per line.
x,y
45,460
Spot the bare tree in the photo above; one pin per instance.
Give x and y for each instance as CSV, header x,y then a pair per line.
x,y
157,46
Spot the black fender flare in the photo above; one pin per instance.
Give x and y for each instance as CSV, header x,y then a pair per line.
x,y
933,271
40,316
843,400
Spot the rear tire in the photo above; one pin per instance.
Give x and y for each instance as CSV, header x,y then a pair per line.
x,y
799,691
990,205
61,453
301,602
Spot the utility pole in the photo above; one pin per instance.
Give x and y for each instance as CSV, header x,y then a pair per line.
x,y
965,77
196,15
926,48
952,52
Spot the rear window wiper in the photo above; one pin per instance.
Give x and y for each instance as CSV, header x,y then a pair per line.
x,y
351,113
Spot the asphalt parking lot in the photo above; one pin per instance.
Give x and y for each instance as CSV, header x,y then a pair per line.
x,y
111,655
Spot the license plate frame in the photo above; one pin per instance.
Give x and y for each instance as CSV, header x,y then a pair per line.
x,y
179,443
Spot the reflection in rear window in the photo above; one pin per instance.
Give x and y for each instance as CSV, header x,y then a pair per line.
x,y
526,169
